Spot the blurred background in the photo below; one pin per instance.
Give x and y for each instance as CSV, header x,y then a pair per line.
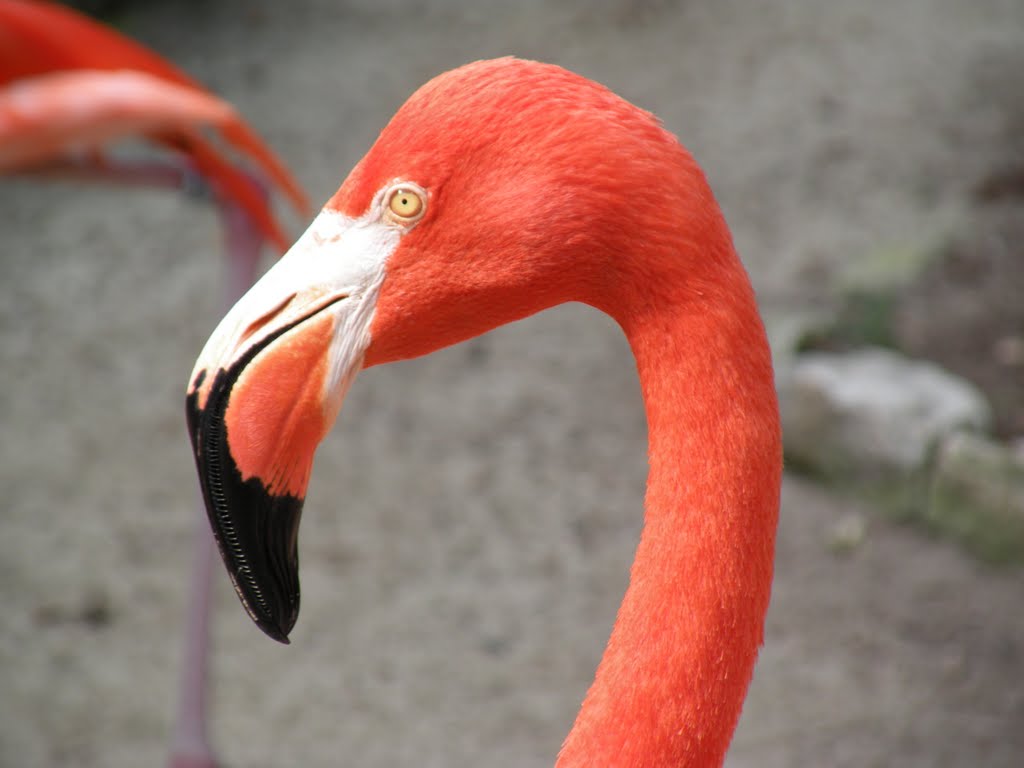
x,y
472,518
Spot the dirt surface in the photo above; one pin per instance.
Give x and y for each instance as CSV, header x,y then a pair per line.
x,y
471,521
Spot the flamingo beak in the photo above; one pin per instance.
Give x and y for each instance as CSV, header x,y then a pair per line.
x,y
265,391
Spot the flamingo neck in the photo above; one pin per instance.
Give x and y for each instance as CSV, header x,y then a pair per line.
x,y
671,684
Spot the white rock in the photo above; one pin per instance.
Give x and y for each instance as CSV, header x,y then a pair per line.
x,y
869,411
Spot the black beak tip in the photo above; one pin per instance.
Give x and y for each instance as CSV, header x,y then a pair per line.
x,y
256,530
257,537
275,632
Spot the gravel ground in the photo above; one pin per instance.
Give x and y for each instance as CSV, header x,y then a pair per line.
x,y
471,521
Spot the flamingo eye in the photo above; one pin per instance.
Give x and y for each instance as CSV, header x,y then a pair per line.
x,y
406,204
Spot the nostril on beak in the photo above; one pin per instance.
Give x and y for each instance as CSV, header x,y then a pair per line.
x,y
263,319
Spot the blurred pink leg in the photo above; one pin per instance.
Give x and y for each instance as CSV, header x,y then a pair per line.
x,y
243,243
190,747
120,171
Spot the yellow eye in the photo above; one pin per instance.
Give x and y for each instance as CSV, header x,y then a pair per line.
x,y
406,204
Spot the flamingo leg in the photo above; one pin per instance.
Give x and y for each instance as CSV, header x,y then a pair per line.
x,y
190,745
125,173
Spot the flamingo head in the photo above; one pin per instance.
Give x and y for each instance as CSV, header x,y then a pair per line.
x,y
499,189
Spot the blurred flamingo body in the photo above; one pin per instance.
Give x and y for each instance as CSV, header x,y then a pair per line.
x,y
500,189
40,39
96,109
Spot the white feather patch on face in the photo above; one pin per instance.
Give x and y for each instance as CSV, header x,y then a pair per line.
x,y
367,244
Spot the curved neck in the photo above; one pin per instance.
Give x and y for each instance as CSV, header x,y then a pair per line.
x,y
671,684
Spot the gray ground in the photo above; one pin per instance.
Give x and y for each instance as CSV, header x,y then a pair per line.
x,y
471,520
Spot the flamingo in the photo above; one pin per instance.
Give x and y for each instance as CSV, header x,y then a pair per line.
x,y
51,62
500,189
69,89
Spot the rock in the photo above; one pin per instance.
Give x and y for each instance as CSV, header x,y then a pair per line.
x,y
977,496
872,413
